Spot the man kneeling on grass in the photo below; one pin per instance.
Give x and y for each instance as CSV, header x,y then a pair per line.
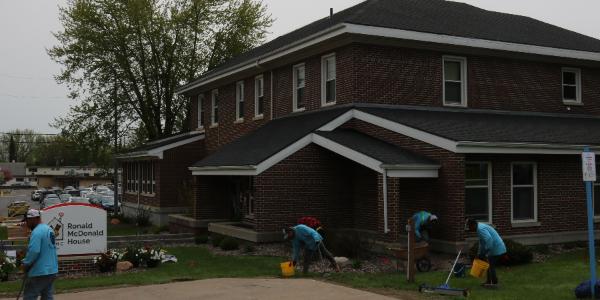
x,y
305,237
491,248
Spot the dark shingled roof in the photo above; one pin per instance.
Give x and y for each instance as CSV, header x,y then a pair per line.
x,y
494,126
271,138
178,137
382,151
433,16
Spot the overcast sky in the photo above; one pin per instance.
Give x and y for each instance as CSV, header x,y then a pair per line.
x,y
29,97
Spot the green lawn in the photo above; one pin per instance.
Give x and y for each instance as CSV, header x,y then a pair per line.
x,y
194,263
554,279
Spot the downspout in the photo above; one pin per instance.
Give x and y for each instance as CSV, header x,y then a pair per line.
x,y
271,95
385,203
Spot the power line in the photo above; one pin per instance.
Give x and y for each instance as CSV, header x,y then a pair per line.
x,y
11,133
25,77
34,97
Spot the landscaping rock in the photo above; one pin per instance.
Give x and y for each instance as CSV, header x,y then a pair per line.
x,y
124,266
115,221
342,261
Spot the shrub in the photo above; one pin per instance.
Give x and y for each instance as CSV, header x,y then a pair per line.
x,y
134,255
142,218
152,256
216,239
249,249
516,253
160,229
356,264
7,266
228,244
107,262
201,239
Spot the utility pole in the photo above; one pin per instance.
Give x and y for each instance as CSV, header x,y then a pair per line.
x,y
115,151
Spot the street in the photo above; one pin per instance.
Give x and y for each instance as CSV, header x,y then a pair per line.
x,y
17,195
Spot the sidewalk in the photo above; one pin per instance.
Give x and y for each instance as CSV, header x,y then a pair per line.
x,y
230,289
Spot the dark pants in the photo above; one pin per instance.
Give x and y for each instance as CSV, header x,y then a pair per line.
x,y
310,255
491,273
39,286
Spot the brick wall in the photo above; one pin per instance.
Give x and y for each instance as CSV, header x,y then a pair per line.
x,y
443,196
316,182
77,267
175,177
561,193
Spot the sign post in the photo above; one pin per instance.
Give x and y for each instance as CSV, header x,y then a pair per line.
x,y
588,160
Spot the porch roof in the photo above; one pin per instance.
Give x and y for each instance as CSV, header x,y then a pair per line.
x,y
155,148
487,131
389,156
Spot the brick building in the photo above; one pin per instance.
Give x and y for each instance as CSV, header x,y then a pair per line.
x,y
394,106
155,178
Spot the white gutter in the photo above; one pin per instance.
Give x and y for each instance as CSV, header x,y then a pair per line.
x,y
348,28
385,203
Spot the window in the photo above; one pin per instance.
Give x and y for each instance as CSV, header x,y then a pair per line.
x,y
478,191
215,108
259,96
299,81
328,75
455,81
239,101
200,111
140,177
524,192
571,85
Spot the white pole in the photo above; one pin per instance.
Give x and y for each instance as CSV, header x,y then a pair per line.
x,y
385,203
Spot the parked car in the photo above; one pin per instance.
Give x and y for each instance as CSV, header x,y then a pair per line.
x,y
108,203
75,193
49,200
69,188
94,198
64,197
44,194
102,188
79,200
37,195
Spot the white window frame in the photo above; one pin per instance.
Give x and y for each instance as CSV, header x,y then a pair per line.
x,y
239,98
463,82
295,88
577,72
214,105
535,192
200,103
259,91
324,80
489,186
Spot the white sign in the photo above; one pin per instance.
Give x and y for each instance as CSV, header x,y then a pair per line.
x,y
588,160
79,229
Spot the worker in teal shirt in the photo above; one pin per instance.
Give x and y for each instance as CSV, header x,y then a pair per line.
x,y
491,248
423,221
305,237
41,261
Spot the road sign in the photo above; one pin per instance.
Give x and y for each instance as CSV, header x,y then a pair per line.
x,y
588,165
588,161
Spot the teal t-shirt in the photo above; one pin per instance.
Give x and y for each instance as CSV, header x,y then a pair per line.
x,y
41,252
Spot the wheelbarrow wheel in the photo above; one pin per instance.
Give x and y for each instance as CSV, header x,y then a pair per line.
x,y
423,264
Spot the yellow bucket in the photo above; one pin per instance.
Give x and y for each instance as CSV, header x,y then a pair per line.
x,y
287,269
479,268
